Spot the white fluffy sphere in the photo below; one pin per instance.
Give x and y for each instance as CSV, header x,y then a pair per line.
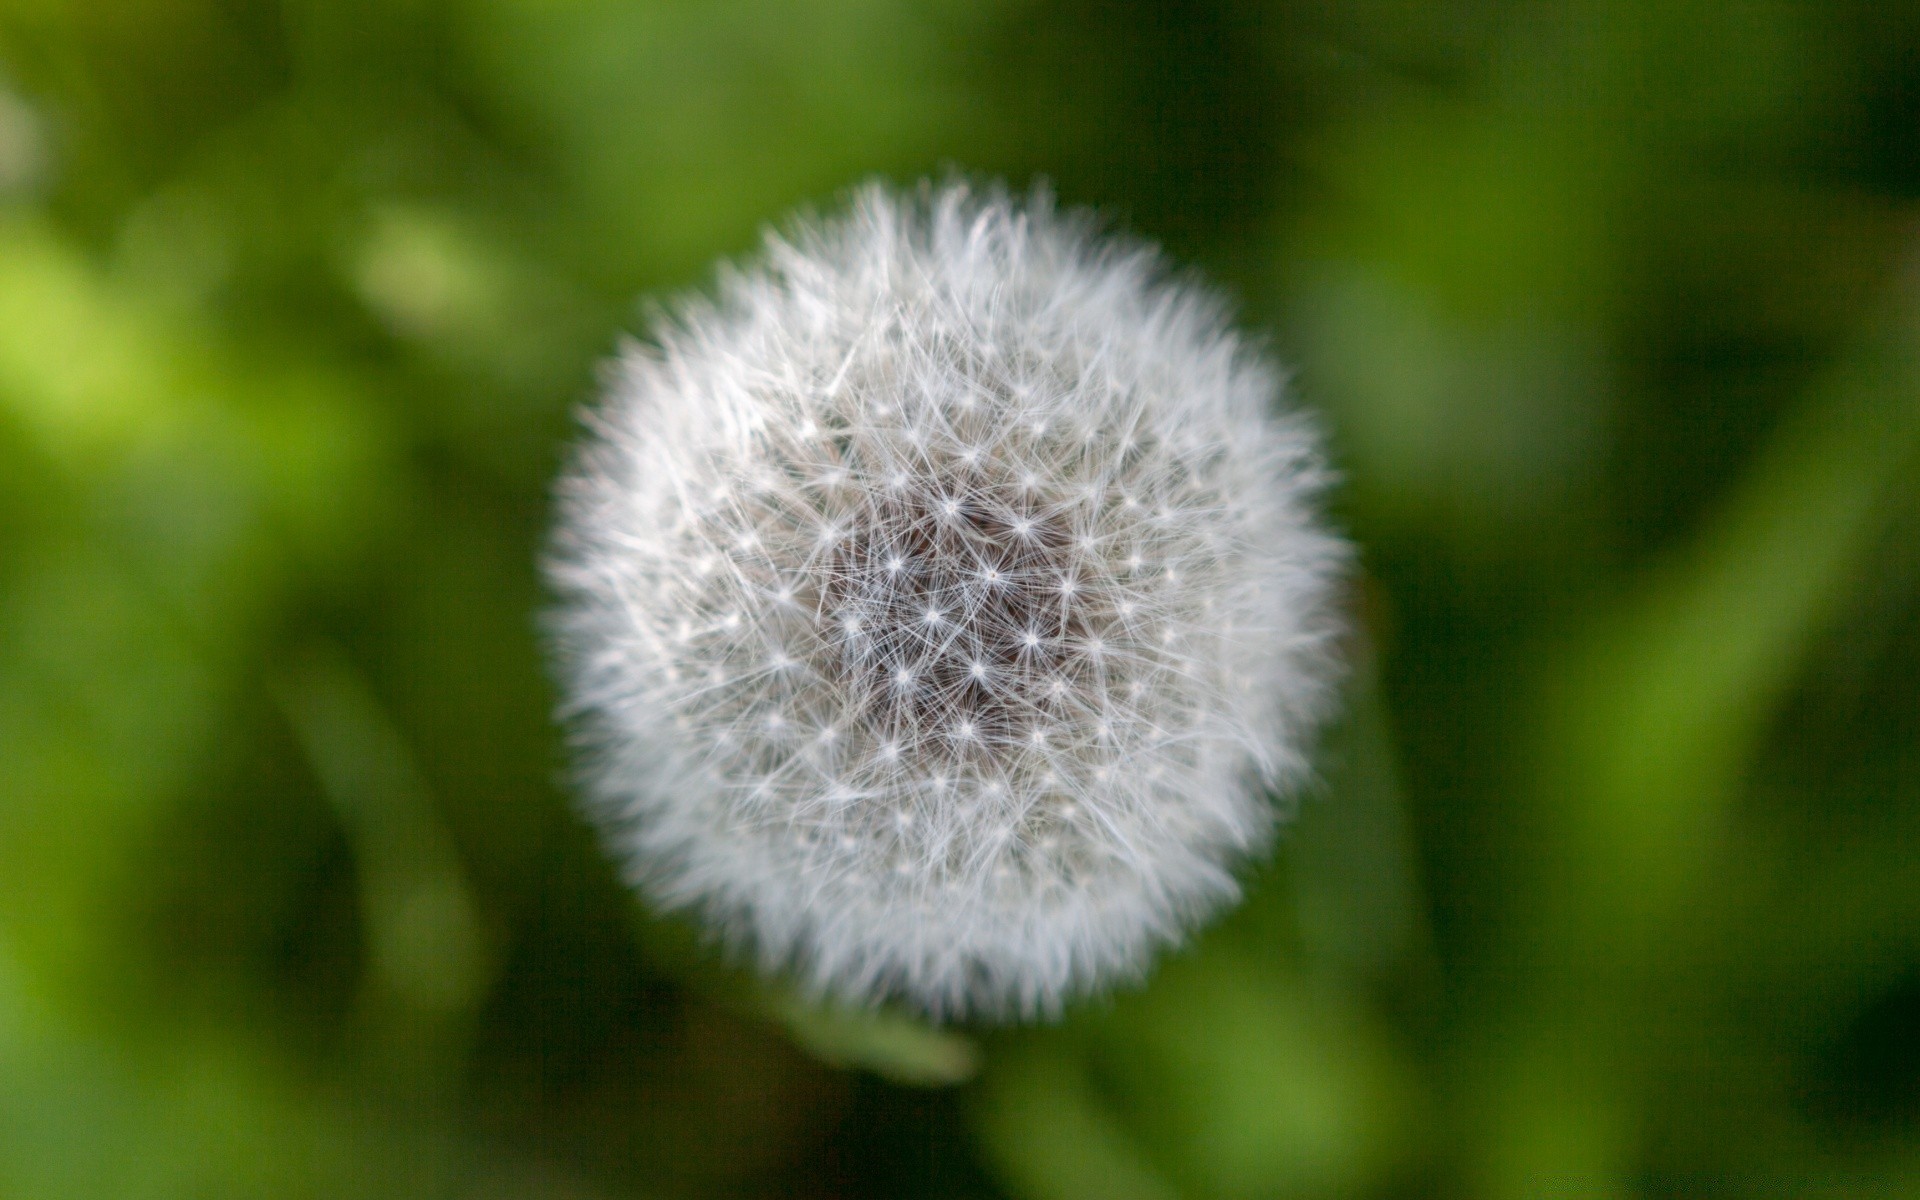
x,y
940,603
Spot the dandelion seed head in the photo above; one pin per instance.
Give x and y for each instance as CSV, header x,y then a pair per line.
x,y
857,622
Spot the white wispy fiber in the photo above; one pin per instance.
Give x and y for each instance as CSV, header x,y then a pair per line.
x,y
941,602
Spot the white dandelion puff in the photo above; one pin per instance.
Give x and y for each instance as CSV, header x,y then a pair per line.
x,y
941,603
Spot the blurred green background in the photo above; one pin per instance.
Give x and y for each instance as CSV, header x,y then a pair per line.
x,y
1611,882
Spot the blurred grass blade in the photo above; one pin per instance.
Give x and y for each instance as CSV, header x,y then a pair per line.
x,y
896,1046
1650,722
427,957
1053,1139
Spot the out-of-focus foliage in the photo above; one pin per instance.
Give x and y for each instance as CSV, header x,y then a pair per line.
x,y
1610,886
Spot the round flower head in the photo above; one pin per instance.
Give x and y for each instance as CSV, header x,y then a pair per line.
x,y
941,602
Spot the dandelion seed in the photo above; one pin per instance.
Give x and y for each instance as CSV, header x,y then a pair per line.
x,y
698,515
